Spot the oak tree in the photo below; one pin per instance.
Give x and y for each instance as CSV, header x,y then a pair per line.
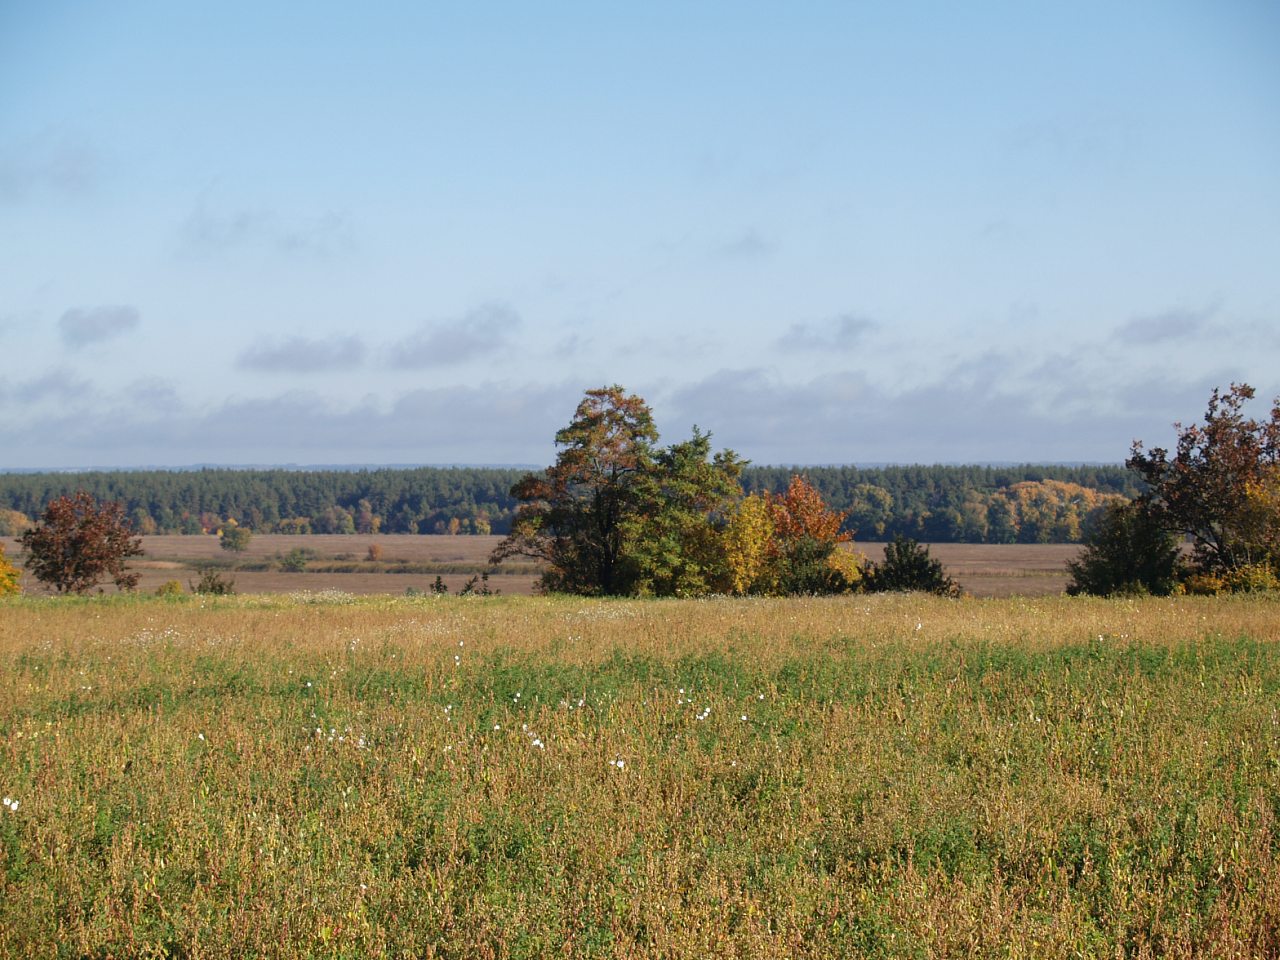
x,y
1212,484
79,542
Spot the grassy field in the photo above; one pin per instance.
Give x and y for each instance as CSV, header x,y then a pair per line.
x,y
324,775
340,562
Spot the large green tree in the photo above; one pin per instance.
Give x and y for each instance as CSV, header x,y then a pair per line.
x,y
1206,487
685,497
1128,551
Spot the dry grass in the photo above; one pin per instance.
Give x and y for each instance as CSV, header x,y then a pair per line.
x,y
878,776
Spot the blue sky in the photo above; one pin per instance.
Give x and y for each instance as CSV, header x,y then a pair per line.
x,y
826,232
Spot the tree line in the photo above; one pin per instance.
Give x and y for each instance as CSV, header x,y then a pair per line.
x,y
939,504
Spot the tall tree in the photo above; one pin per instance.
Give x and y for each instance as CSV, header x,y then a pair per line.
x,y
685,498
575,515
79,542
1203,488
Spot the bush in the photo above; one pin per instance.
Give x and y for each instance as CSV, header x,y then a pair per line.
x,y
1128,552
214,584
477,586
1203,585
8,575
234,538
375,553
295,561
907,566
1251,578
170,588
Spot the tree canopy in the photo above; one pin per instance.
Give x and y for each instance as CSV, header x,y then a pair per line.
x,y
79,542
617,515
1220,486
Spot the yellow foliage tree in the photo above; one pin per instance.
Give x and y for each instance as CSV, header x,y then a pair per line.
x,y
8,575
13,522
1255,527
750,547
1051,511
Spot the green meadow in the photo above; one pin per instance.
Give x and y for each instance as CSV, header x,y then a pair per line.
x,y
319,775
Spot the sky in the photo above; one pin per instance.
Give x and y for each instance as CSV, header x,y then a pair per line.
x,y
416,232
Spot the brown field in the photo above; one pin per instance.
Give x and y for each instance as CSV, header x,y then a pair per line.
x,y
983,570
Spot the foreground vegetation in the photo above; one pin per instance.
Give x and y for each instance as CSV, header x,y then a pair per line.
x,y
873,775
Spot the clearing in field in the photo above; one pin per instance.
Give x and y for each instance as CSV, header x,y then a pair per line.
x,y
321,775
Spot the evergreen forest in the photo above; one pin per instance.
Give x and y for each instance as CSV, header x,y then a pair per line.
x,y
936,504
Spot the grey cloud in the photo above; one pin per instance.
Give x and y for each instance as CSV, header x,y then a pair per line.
x,y
830,419
841,332
749,245
59,385
1176,324
154,393
205,232
303,355
80,327
53,161
480,332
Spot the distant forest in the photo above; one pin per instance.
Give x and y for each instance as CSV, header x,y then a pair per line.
x,y
937,504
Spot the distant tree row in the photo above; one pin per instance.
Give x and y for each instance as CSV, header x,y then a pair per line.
x,y
940,504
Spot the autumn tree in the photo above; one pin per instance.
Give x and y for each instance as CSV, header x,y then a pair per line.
x,y
13,523
1212,485
807,534
78,542
577,514
750,548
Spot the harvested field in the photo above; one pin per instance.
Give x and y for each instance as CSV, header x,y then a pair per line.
x,y
340,562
